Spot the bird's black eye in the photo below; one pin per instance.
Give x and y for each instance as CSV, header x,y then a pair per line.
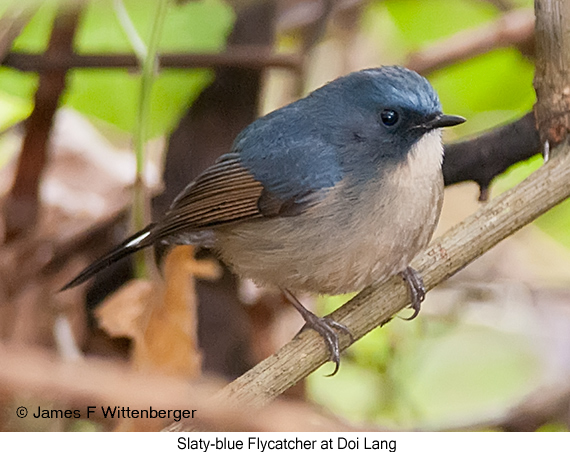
x,y
389,117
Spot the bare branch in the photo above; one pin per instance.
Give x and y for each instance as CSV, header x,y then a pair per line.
x,y
21,207
483,158
515,28
250,57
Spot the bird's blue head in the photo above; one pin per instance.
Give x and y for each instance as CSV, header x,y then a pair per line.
x,y
357,125
386,110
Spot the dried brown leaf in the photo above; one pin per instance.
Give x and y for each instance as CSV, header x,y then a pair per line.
x,y
161,316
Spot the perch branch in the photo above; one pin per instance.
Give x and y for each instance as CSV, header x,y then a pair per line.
x,y
377,304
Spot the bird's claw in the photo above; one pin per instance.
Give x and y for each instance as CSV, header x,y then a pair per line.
x,y
417,290
326,326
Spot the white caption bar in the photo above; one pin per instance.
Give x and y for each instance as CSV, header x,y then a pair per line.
x,y
269,442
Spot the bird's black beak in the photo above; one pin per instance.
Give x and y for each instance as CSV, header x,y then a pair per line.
x,y
442,120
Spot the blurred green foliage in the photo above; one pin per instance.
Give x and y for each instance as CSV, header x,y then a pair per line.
x,y
111,95
553,427
430,374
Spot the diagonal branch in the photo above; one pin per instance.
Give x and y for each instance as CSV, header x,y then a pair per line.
x,y
377,304
515,28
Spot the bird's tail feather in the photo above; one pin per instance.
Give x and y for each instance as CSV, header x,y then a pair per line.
x,y
134,243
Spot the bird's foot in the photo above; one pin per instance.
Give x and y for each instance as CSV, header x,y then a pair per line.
x,y
417,289
325,326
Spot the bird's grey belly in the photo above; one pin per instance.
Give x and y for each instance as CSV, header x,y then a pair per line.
x,y
343,244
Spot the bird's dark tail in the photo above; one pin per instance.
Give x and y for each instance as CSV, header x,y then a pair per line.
x,y
136,242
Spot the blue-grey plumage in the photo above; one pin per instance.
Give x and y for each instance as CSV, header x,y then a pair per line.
x,y
314,142
371,193
333,192
354,235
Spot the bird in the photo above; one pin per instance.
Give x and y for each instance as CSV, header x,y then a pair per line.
x,y
327,195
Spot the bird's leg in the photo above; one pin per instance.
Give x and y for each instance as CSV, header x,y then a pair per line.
x,y
417,289
325,326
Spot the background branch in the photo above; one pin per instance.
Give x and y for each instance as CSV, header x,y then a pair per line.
x,y
22,204
250,57
552,75
483,158
515,28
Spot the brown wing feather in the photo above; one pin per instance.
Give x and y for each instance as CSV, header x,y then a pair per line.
x,y
224,193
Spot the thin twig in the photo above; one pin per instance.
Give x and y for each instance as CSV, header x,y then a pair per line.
x,y
140,211
128,27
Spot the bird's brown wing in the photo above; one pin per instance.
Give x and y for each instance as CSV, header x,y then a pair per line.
x,y
224,193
